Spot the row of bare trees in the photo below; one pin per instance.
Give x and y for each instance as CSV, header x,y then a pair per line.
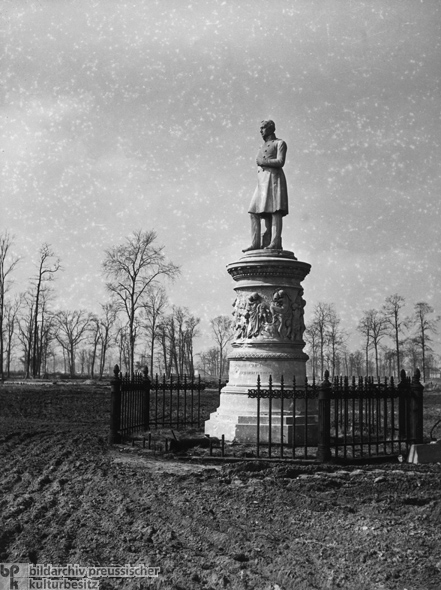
x,y
29,324
391,340
137,320
214,361
27,315
139,323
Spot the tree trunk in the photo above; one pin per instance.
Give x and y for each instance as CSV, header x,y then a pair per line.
x,y
72,361
152,352
376,359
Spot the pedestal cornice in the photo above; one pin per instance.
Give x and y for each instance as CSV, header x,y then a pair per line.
x,y
264,264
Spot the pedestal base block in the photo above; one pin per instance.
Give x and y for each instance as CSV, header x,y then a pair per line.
x,y
236,418
246,430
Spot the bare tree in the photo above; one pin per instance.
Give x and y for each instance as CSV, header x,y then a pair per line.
x,y
133,267
176,333
47,336
122,343
312,340
210,362
203,357
222,328
191,332
373,326
32,348
106,320
390,356
321,318
356,362
7,264
364,327
424,327
10,324
345,356
48,264
100,337
336,337
172,342
72,329
162,337
395,323
95,339
154,307
25,329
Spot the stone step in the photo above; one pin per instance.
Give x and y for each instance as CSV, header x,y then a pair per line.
x,y
275,420
246,432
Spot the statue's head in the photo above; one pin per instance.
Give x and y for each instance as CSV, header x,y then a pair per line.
x,y
267,127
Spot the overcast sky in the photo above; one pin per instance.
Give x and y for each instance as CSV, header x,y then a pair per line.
x,y
120,116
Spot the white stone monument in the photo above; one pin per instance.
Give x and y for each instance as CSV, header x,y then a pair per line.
x,y
268,310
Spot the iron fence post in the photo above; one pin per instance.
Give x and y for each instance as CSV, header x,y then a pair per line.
x,y
403,399
416,408
115,407
324,421
146,398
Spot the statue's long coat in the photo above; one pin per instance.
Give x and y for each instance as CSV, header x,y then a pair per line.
x,y
271,194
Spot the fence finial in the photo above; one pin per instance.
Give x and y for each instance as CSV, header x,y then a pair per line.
x,y
403,375
116,371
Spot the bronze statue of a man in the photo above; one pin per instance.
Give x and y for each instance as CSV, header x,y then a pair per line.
x,y
270,199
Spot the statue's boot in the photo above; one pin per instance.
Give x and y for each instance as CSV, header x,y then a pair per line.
x,y
255,233
266,238
276,231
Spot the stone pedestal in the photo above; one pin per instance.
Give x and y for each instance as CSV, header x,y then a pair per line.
x,y
269,326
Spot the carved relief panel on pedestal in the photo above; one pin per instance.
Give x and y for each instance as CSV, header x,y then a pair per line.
x,y
273,315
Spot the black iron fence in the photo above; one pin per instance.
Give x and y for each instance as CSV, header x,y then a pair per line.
x,y
140,404
342,419
339,419
368,418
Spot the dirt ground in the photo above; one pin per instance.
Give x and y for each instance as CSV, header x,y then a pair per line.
x,y
67,497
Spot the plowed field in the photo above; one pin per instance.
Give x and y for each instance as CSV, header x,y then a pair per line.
x,y
69,498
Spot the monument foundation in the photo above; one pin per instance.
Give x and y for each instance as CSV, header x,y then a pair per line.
x,y
268,341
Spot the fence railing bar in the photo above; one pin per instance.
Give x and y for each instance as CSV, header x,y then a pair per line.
x,y
293,428
385,420
345,419
199,401
171,399
305,428
282,415
192,407
258,417
270,407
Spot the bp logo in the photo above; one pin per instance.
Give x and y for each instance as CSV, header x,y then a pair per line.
x,y
14,576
